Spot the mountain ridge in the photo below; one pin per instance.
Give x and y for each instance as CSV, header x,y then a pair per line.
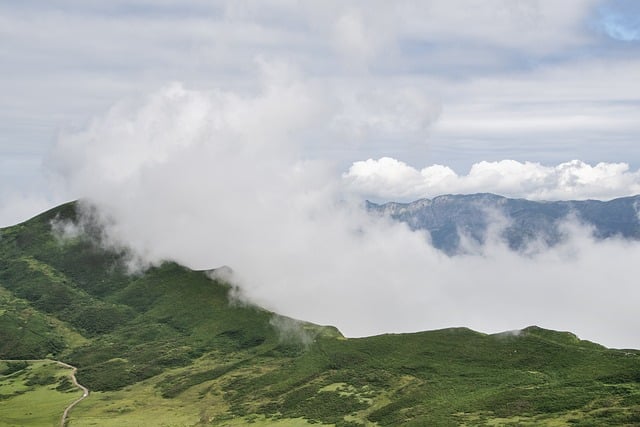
x,y
447,217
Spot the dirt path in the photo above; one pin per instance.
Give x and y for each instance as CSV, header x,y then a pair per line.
x,y
85,391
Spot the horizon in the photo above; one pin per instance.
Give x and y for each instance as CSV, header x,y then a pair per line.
x,y
31,216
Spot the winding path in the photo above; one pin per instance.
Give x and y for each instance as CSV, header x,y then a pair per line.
x,y
85,391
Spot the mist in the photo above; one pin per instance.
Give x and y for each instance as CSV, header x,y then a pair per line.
x,y
218,178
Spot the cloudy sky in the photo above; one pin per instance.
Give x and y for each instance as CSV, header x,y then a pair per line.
x,y
423,83
235,133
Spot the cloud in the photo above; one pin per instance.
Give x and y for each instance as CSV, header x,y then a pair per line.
x,y
216,178
350,36
292,331
168,123
539,27
531,78
391,180
394,112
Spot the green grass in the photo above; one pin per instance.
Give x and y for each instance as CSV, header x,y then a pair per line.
x,y
26,332
35,395
167,348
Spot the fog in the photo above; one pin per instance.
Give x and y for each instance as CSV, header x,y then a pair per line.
x,y
218,178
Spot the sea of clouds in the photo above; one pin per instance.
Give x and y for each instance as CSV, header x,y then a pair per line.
x,y
219,178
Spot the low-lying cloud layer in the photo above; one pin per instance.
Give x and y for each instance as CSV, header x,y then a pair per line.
x,y
216,178
391,179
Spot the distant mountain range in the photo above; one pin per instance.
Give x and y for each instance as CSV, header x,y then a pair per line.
x,y
520,222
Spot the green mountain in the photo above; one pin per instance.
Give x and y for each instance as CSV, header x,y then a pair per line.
x,y
172,346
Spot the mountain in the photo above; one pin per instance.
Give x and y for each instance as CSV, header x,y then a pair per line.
x,y
448,217
171,346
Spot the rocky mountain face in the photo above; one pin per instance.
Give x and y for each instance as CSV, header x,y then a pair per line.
x,y
452,219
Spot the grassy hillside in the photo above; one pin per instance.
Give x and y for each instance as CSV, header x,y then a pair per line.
x,y
167,347
34,393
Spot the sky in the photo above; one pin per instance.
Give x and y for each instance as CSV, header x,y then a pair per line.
x,y
449,83
247,134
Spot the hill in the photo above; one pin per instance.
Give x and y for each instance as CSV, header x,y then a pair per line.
x,y
446,217
171,346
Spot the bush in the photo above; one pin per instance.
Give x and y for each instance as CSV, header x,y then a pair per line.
x,y
13,367
100,319
40,380
107,376
65,384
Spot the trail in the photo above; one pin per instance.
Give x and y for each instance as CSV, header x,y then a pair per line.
x,y
85,391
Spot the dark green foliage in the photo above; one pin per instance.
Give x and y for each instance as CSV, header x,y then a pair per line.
x,y
40,380
325,406
65,384
13,367
26,333
109,375
392,413
625,376
343,423
533,401
175,385
101,318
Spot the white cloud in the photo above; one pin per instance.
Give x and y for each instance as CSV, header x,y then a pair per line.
x,y
391,179
212,178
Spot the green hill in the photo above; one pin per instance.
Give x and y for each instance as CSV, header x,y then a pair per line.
x,y
170,347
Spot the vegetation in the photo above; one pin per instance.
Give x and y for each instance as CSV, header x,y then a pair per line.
x,y
168,348
35,394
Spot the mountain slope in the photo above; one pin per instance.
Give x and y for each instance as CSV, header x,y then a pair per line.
x,y
170,346
163,318
446,217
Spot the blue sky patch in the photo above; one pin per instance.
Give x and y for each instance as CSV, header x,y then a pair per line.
x,y
620,20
